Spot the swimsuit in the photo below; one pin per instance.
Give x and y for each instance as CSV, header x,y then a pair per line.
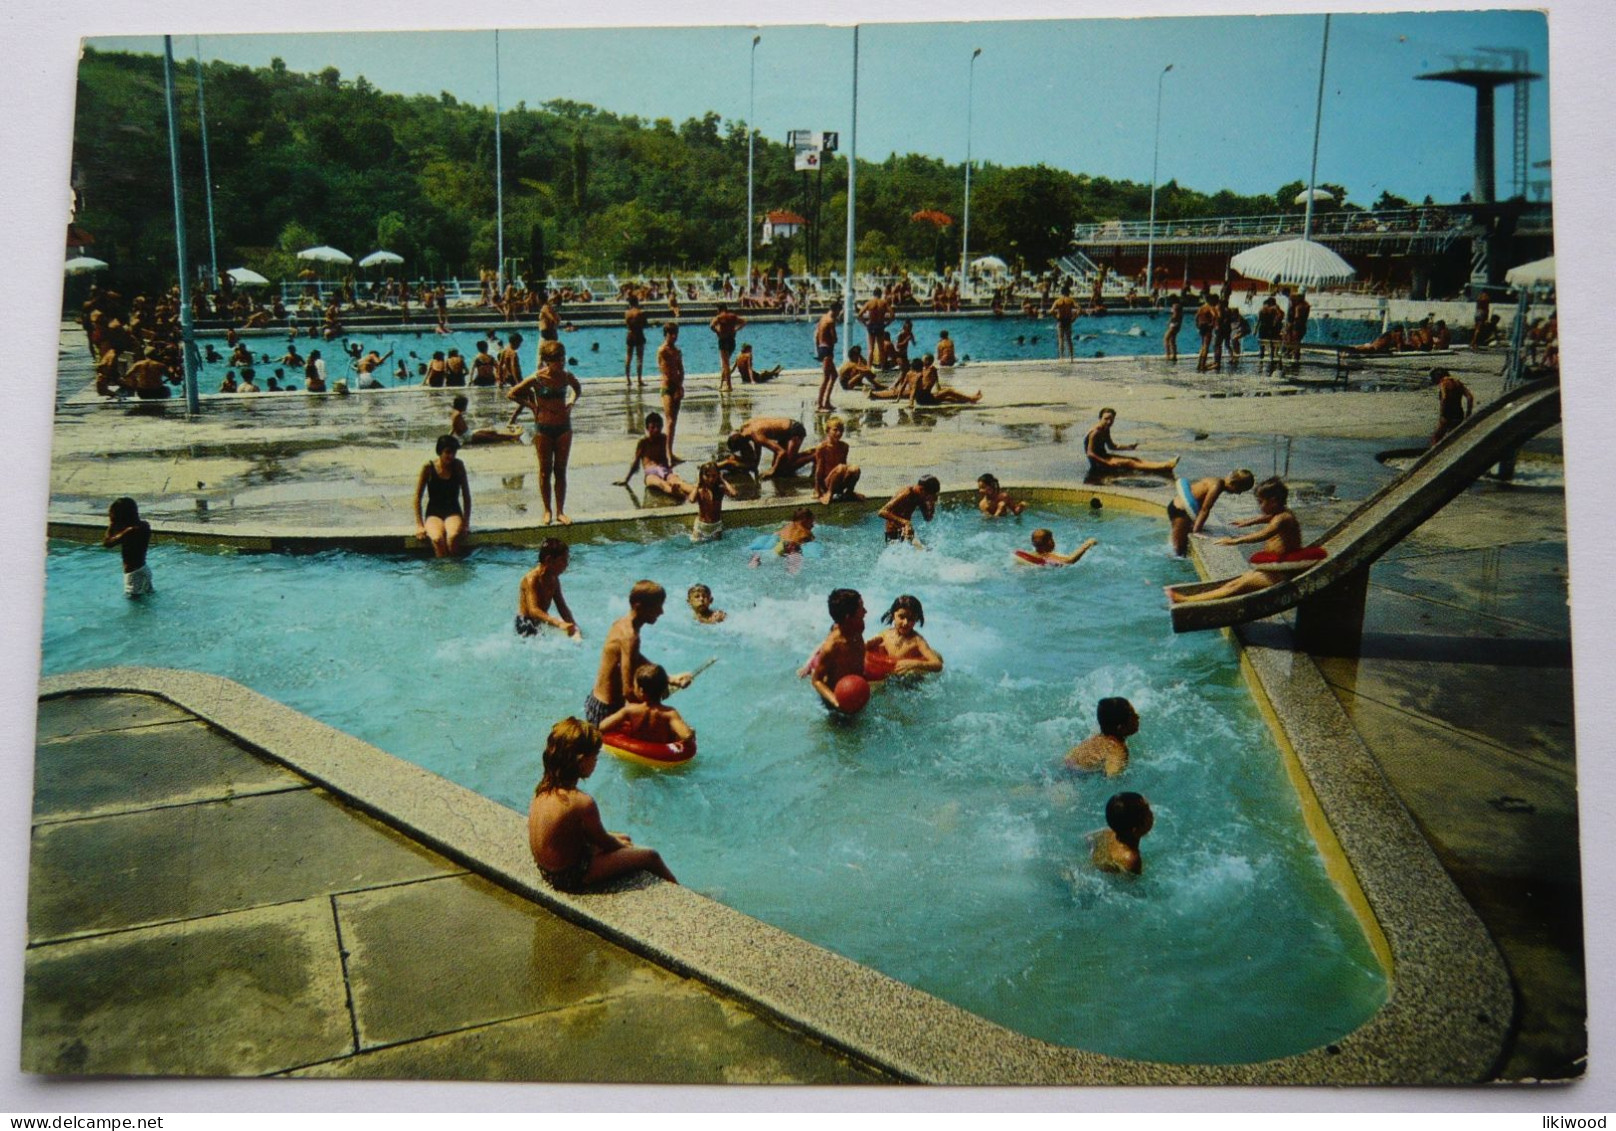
x,y
923,397
442,495
553,431
594,710
707,531
571,879
660,470
636,337
138,582
549,336
526,626
726,345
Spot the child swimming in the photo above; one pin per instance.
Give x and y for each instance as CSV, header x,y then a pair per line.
x,y
1107,750
701,603
648,719
570,845
900,649
1116,847
1043,550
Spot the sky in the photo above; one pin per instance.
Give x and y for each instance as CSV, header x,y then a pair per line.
x,y
1237,107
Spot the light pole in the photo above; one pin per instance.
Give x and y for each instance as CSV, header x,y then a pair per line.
x,y
751,134
965,232
499,185
1150,244
207,171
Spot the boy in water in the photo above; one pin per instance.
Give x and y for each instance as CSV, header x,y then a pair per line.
x,y
1107,750
900,509
1281,534
701,604
1043,547
994,501
652,455
1116,848
540,588
842,652
620,655
1192,504
571,847
131,534
834,477
708,495
648,719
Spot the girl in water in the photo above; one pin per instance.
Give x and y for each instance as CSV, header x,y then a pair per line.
x,y
900,649
545,394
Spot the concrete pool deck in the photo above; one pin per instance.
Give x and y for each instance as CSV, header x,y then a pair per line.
x,y
1478,745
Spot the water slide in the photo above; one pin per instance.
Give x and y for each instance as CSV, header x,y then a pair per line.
x,y
1391,513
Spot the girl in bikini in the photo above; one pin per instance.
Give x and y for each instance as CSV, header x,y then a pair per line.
x,y
545,395
569,843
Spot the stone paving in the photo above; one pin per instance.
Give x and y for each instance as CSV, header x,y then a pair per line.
x,y
1462,690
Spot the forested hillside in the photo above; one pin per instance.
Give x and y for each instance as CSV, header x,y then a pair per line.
x,y
301,159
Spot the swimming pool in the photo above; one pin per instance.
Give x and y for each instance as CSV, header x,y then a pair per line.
x,y
597,351
933,839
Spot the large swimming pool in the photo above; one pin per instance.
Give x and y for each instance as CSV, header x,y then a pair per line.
x,y
597,351
934,838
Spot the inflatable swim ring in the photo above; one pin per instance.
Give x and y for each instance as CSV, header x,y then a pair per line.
x,y
1027,557
878,665
770,544
646,753
1295,561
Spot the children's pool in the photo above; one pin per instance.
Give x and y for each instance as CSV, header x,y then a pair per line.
x,y
934,838
597,351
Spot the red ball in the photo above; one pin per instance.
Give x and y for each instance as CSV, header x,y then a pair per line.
x,y
852,692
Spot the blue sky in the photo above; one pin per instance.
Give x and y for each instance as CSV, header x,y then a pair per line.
x,y
1076,94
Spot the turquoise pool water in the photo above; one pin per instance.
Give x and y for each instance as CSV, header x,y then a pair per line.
x,y
934,838
597,351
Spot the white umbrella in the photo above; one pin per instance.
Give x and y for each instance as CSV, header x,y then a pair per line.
x,y
245,277
1296,261
1531,274
82,263
1318,194
377,258
323,254
990,263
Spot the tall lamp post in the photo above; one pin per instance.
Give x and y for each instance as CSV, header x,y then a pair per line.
x,y
965,232
751,134
1150,244
207,171
499,185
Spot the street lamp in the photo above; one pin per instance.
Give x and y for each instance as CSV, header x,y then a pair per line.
x,y
965,234
1150,253
751,133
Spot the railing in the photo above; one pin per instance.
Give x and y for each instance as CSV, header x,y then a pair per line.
x,y
1430,219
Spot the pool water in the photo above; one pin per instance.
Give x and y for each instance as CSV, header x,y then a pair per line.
x,y
597,351
934,837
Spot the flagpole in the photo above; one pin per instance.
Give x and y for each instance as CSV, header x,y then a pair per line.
x,y
192,404
499,182
852,209
207,171
1318,118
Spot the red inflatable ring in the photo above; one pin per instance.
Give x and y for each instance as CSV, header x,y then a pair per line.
x,y
1293,561
659,754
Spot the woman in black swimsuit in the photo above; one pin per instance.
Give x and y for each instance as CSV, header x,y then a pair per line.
x,y
545,394
448,500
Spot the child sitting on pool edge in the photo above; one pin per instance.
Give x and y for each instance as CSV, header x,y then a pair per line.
x,y
1043,549
1116,847
1107,750
701,603
842,652
1282,534
648,719
571,847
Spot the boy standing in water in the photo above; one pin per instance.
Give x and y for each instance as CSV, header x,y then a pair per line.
x,y
131,534
1116,848
842,652
1107,750
900,509
541,588
620,655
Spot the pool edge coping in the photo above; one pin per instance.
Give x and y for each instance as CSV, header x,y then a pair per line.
x,y
1450,1002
